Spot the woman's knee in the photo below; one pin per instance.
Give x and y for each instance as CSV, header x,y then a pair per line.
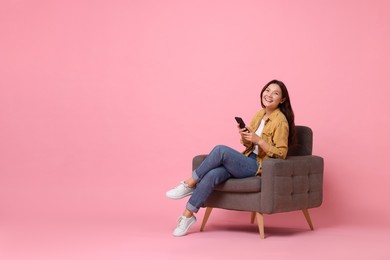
x,y
219,149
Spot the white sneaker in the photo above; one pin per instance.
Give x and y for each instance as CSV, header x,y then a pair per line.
x,y
180,191
183,224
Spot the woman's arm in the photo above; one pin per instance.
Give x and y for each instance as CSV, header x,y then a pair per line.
x,y
276,146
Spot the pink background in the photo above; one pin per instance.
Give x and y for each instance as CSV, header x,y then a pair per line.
x,y
103,104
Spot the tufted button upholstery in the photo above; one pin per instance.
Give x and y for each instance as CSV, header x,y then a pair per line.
x,y
283,192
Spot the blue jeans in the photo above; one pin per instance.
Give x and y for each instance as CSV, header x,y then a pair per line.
x,y
221,164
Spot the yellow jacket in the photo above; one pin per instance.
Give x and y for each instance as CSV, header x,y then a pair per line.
x,y
275,133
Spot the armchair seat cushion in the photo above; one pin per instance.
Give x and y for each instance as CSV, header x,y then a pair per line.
x,y
244,185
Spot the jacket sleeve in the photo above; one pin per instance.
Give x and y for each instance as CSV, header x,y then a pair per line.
x,y
279,141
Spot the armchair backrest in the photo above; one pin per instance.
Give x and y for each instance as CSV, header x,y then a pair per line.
x,y
304,142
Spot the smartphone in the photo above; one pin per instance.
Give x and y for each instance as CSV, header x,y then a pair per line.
x,y
241,122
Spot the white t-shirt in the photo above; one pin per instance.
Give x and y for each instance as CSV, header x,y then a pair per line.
x,y
258,132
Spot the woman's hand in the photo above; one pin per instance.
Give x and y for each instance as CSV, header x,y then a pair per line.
x,y
241,130
248,136
243,141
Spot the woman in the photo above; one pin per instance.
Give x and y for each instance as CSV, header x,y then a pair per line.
x,y
271,131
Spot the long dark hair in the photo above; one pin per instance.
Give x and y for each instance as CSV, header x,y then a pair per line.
x,y
285,107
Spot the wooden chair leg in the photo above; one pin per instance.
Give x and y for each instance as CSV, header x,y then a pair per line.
x,y
260,223
205,218
308,219
253,216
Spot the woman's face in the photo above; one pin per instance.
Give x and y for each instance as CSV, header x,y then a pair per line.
x,y
272,97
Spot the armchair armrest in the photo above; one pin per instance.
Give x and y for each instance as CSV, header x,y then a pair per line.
x,y
291,184
197,160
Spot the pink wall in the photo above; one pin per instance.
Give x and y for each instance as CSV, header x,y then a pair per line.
x,y
103,104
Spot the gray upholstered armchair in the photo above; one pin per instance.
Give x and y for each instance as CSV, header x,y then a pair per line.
x,y
284,185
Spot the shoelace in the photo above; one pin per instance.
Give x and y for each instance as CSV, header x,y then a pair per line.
x,y
180,222
183,184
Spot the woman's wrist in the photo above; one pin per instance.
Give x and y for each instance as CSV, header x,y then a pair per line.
x,y
260,142
263,145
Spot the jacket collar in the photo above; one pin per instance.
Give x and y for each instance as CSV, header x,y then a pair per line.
x,y
273,114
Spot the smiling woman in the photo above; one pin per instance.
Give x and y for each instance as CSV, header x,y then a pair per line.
x,y
267,136
275,95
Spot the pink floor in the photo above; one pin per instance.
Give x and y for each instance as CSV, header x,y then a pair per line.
x,y
228,235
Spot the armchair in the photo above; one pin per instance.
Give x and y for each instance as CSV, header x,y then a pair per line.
x,y
284,185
